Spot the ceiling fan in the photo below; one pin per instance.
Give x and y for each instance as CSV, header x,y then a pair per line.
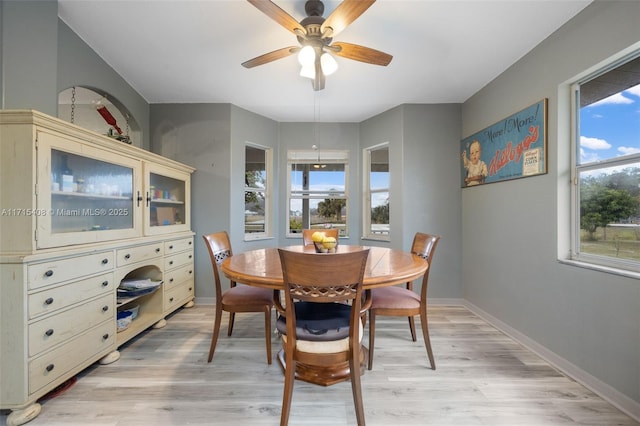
x,y
315,35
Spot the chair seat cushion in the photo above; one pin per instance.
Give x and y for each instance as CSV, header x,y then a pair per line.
x,y
332,347
394,298
319,322
241,294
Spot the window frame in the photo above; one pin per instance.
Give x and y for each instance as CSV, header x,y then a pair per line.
x,y
268,191
311,157
368,193
599,262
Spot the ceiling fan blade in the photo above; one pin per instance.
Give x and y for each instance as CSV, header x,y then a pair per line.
x,y
347,12
271,56
360,53
274,12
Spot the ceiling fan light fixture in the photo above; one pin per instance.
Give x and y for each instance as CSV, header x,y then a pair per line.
x,y
307,56
308,71
328,63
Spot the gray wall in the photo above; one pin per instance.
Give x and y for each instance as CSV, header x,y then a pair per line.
x,y
511,229
29,55
79,65
41,56
425,186
200,135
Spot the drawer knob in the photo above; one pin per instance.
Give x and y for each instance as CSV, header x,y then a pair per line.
x,y
127,256
105,261
49,332
158,250
191,272
171,280
48,301
190,288
190,256
105,308
171,262
171,299
171,247
48,273
189,242
105,336
105,283
50,368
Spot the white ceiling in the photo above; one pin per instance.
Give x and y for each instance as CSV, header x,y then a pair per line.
x,y
185,51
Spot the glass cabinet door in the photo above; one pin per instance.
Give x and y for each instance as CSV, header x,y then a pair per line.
x,y
167,200
85,194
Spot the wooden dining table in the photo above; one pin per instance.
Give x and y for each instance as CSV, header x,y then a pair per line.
x,y
385,267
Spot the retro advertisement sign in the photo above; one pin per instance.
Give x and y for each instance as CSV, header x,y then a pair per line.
x,y
512,148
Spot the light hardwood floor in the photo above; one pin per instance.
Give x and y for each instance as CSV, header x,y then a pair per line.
x,y
483,378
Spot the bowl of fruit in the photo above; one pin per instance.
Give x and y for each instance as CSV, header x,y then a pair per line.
x,y
324,244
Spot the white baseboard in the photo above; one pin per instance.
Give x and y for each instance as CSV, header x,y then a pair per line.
x,y
616,398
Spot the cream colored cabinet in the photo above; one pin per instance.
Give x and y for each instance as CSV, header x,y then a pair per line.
x,y
179,284
84,193
167,203
81,212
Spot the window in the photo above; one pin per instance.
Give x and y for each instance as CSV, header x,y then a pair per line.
x,y
257,172
318,198
376,194
606,167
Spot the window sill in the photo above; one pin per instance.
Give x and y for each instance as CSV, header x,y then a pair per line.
x,y
600,268
257,238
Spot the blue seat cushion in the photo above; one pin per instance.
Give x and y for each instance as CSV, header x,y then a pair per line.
x,y
319,322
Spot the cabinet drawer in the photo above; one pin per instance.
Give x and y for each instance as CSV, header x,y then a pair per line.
x,y
56,298
176,246
138,254
176,276
178,296
56,271
51,365
178,260
51,331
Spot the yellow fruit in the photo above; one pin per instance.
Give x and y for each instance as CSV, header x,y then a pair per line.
x,y
318,236
329,242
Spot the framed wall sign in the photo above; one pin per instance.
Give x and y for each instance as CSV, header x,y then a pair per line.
x,y
512,148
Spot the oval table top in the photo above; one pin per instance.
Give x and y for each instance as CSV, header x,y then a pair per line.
x,y
384,267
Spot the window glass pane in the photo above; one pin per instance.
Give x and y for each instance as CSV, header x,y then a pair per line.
x,y
376,212
380,213
610,114
255,193
255,168
323,213
254,212
609,219
379,177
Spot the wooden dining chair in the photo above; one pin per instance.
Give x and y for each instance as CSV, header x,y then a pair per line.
x,y
238,298
307,233
400,301
320,319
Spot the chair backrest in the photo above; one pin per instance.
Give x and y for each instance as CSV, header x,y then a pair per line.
x,y
219,247
323,278
424,245
307,233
